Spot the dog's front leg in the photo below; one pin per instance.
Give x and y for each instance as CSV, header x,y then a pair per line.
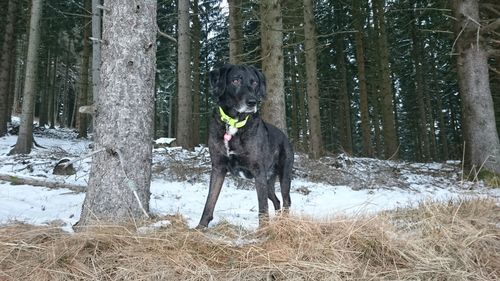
x,y
262,194
216,180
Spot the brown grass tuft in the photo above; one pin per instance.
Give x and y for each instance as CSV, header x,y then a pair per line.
x,y
436,241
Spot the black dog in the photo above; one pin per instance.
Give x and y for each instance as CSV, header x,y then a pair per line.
x,y
241,143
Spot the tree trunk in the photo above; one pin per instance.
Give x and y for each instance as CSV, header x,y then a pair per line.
x,y
235,32
20,75
442,130
96,51
7,53
25,138
119,183
44,95
195,132
359,19
417,55
184,101
295,104
386,99
12,84
66,104
345,108
303,112
431,121
52,95
84,73
482,145
96,48
273,109
315,141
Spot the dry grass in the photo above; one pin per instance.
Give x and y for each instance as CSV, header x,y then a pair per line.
x,y
451,241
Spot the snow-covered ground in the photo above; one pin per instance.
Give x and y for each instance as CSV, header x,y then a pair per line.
x,y
320,189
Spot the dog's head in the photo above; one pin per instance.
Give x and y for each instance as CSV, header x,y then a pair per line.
x,y
239,87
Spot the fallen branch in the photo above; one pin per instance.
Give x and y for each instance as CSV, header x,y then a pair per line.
x,y
17,180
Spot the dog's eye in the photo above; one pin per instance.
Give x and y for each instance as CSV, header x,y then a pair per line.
x,y
236,81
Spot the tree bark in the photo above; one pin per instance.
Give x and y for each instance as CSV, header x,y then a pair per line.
x,y
119,184
235,32
482,145
25,138
273,109
386,98
184,99
7,53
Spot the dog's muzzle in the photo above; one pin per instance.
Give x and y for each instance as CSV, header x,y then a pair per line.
x,y
250,106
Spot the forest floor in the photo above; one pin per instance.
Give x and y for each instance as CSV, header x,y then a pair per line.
x,y
351,219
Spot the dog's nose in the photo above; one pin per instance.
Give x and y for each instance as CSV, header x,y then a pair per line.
x,y
251,102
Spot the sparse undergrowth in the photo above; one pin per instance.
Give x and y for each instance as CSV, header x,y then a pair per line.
x,y
437,241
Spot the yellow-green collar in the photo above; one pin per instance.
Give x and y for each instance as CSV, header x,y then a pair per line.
x,y
235,123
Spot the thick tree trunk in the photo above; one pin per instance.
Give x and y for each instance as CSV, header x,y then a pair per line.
x,y
386,98
359,20
7,53
315,140
84,73
25,139
482,145
118,190
273,109
235,32
184,101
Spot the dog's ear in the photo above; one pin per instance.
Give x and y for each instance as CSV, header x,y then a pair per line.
x,y
261,90
218,80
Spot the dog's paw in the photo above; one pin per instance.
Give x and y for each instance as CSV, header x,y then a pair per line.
x,y
201,227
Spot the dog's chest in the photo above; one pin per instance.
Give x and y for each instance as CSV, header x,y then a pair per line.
x,y
234,147
237,153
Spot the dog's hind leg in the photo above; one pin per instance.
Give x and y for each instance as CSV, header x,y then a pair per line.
x,y
216,180
271,194
285,177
